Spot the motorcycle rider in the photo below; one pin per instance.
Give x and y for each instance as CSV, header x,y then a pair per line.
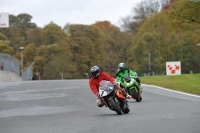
x,y
96,78
123,70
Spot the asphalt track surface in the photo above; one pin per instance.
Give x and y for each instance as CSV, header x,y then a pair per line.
x,y
68,106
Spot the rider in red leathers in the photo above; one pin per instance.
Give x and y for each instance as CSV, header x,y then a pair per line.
x,y
96,78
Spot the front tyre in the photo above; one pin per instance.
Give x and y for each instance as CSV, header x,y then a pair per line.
x,y
135,95
127,109
115,107
140,98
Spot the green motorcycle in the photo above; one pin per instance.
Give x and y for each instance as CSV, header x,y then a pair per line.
x,y
132,87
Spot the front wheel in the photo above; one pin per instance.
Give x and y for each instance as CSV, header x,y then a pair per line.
x,y
135,95
127,109
115,107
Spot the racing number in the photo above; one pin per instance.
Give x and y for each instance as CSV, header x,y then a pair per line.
x,y
102,93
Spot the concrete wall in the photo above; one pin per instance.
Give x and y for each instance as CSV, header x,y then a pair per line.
x,y
7,76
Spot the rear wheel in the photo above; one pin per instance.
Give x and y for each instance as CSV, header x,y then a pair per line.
x,y
115,107
135,95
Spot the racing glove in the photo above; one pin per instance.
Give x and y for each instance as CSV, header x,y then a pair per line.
x,y
115,83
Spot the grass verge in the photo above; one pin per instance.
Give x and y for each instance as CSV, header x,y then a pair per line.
x,y
189,83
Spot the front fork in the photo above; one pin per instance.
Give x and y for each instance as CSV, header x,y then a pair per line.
x,y
107,99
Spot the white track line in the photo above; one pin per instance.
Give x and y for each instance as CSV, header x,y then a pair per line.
x,y
172,90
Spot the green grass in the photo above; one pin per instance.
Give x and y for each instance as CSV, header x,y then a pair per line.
x,y
189,83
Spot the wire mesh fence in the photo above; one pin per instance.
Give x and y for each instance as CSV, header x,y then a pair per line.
x,y
9,63
13,65
28,73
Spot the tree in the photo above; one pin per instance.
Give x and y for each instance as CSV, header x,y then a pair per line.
x,y
144,9
87,46
2,36
115,45
13,21
52,33
61,64
25,21
167,38
25,24
5,48
18,27
185,52
29,53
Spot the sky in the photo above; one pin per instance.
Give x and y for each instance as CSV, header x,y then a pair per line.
x,y
62,12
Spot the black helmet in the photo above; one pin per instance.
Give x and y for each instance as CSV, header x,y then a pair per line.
x,y
127,78
121,66
95,71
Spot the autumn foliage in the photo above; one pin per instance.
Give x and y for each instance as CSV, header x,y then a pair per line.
x,y
171,34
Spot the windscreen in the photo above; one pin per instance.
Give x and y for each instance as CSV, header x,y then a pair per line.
x,y
105,83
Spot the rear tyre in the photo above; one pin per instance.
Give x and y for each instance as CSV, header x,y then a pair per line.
x,y
115,107
135,95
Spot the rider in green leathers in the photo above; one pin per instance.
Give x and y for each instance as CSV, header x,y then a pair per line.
x,y
123,70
